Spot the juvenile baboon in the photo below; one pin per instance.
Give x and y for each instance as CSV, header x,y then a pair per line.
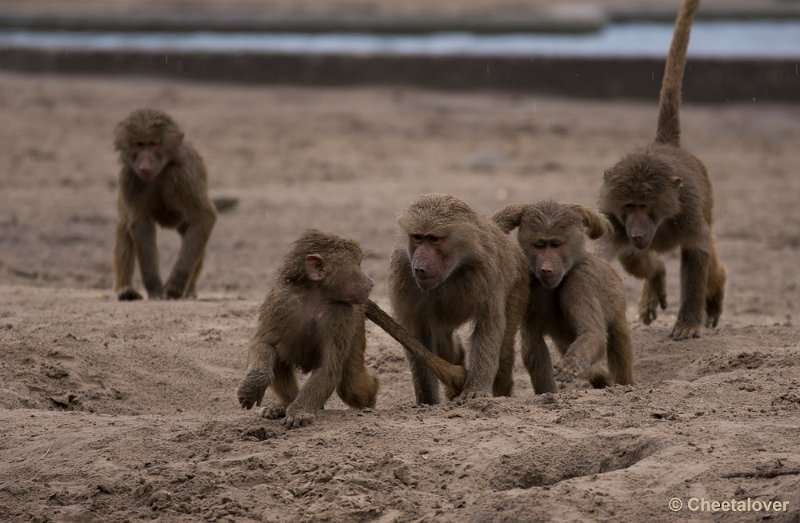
x,y
163,181
576,298
313,319
660,198
452,266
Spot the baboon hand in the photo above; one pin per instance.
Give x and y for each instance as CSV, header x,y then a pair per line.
x,y
248,398
253,386
275,411
683,331
471,395
128,294
652,298
298,418
567,369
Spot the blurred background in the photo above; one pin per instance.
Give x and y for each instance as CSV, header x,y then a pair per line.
x,y
740,49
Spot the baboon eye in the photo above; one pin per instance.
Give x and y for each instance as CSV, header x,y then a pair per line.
x,y
555,244
540,245
417,238
629,206
139,144
642,206
435,240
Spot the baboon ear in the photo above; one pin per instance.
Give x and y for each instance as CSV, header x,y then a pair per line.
x,y
596,224
315,267
677,181
120,137
509,217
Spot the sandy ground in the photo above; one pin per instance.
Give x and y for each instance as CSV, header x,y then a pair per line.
x,y
126,411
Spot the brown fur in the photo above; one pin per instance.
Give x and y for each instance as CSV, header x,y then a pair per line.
x,y
313,319
660,198
163,181
576,298
452,266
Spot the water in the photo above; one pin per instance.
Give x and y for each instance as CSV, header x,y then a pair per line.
x,y
712,39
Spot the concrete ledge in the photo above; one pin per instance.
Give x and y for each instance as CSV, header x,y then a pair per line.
x,y
547,21
567,18
707,80
666,15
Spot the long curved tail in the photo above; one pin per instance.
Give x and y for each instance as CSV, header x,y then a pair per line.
x,y
452,376
669,127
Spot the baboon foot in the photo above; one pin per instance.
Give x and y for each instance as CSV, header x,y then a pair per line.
x,y
273,412
172,292
128,294
599,377
683,331
503,386
156,294
175,288
295,419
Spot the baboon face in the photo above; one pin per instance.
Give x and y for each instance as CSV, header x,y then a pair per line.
x,y
341,280
547,257
431,257
640,223
147,159
641,191
147,141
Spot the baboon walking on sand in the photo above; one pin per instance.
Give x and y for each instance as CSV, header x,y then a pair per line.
x,y
660,198
163,181
576,298
452,266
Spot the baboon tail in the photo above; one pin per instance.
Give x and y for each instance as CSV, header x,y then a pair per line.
x,y
225,203
669,129
452,376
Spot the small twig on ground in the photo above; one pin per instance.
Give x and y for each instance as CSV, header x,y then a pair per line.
x,y
771,473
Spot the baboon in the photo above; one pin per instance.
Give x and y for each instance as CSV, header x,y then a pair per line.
x,y
449,267
163,181
660,198
576,298
313,319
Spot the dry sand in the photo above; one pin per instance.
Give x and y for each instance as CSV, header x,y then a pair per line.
x,y
126,411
